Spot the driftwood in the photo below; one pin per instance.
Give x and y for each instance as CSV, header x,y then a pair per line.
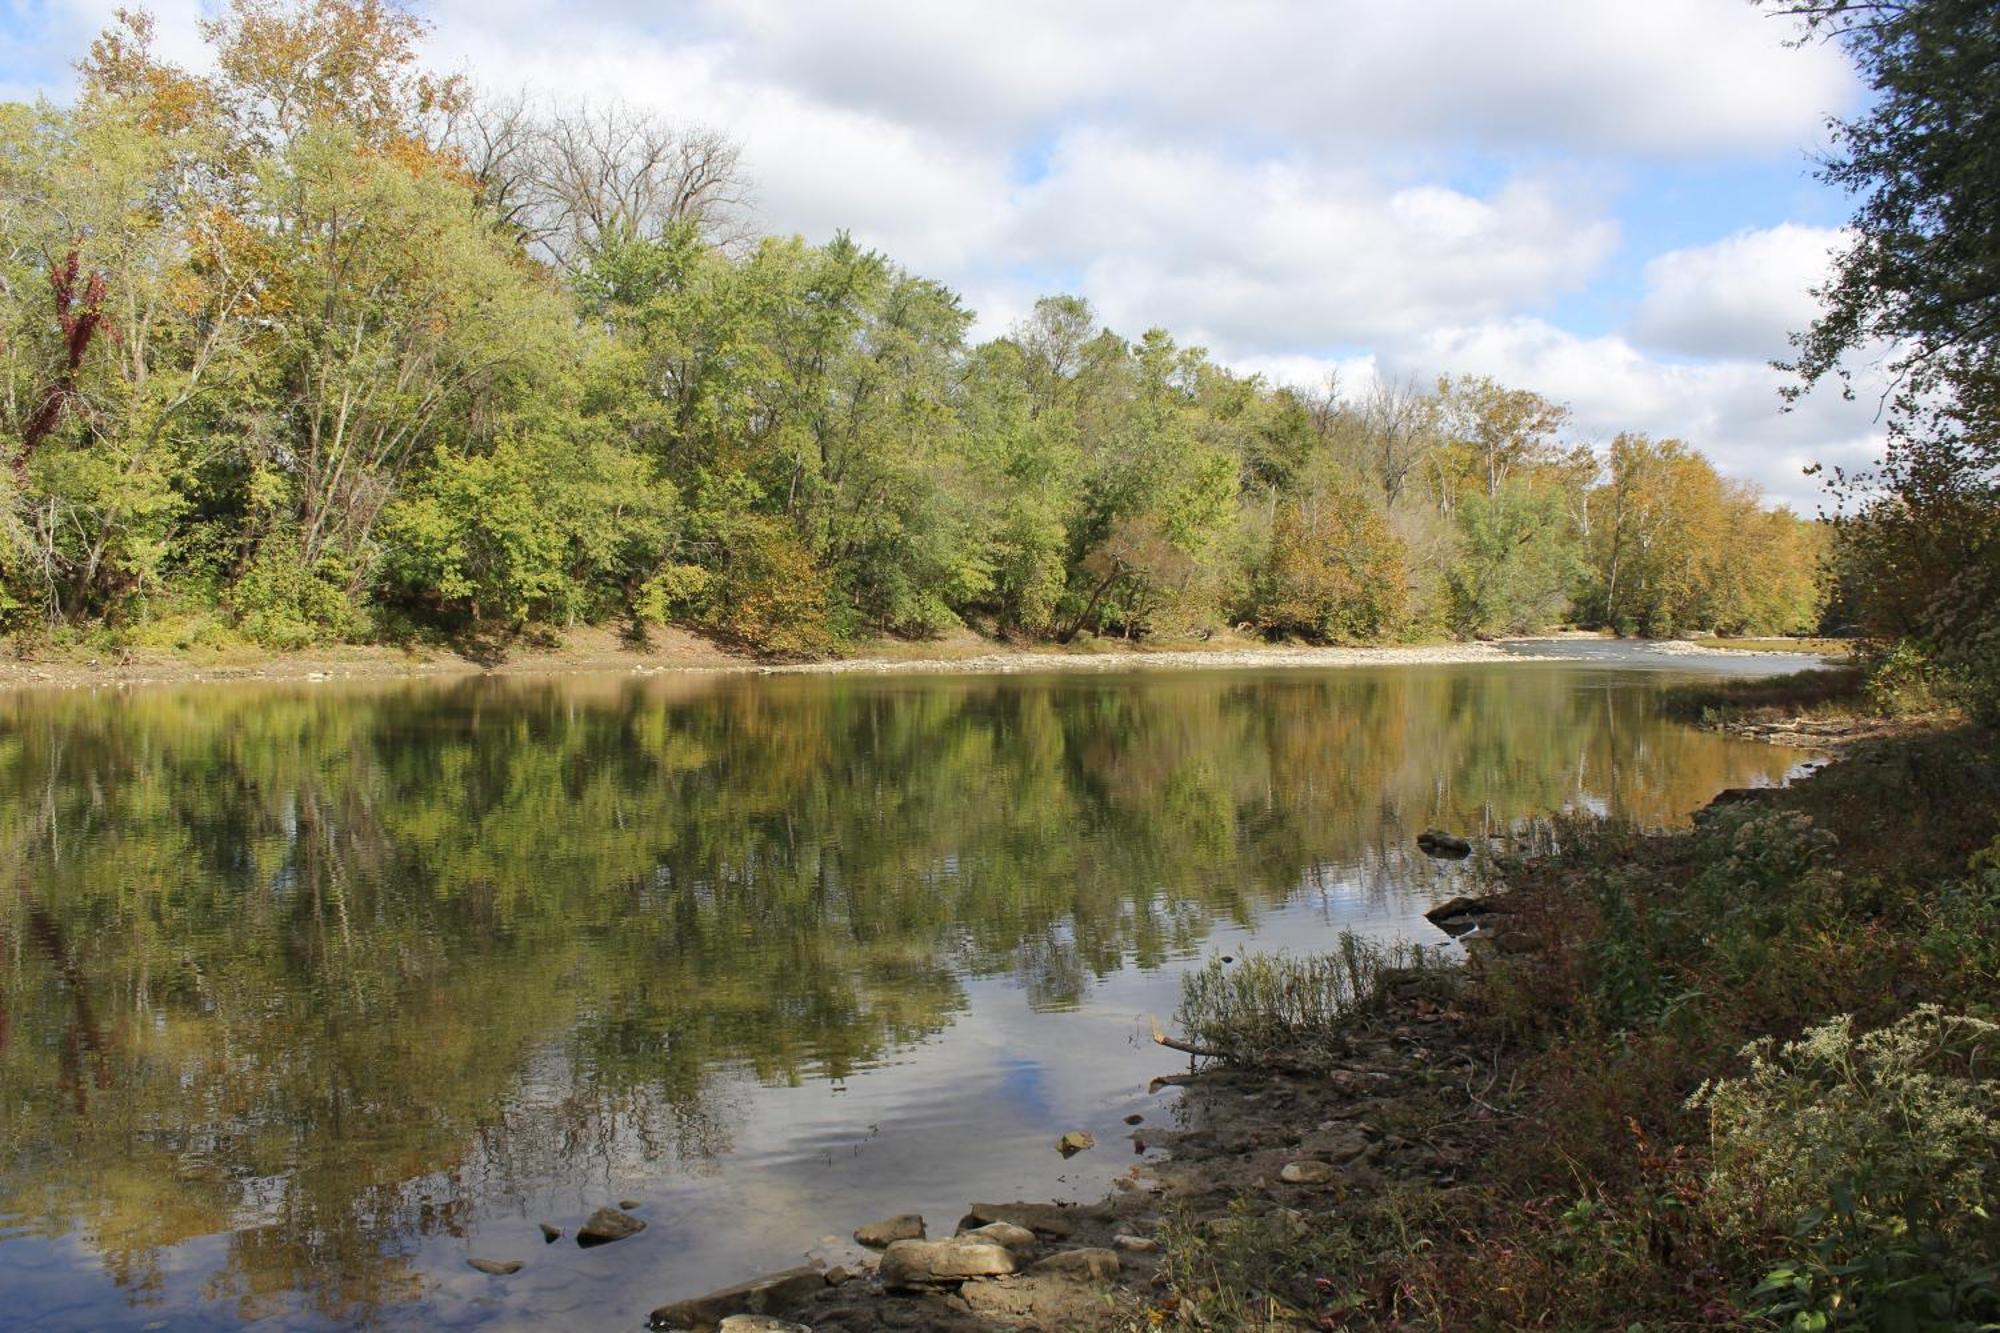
x,y
1173,1044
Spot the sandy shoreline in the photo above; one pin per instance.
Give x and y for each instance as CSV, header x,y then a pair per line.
x,y
686,654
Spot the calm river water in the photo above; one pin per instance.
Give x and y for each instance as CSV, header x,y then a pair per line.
x,y
308,993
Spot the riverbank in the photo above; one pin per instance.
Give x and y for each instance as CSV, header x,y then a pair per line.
x,y
1529,1144
664,651
1569,1130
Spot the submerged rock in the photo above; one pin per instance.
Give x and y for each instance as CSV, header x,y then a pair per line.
x,y
1074,1142
1456,916
922,1263
496,1267
903,1226
606,1225
1439,843
629,1204
772,1294
1094,1264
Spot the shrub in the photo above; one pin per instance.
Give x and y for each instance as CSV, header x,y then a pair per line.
x,y
1877,1158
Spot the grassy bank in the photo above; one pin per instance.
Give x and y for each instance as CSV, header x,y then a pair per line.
x,y
1737,1076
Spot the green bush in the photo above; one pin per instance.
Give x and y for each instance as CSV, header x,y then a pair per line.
x,y
1877,1159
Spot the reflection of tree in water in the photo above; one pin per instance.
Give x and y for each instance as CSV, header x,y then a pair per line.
x,y
346,965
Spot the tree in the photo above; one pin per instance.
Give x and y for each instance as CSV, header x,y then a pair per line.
x,y
1922,274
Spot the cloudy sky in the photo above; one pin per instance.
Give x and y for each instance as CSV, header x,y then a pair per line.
x,y
1609,203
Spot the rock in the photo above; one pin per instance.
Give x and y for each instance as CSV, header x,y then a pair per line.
x,y
1044,1219
1074,1142
629,1204
606,1225
1458,915
1307,1172
497,1267
1016,1238
551,1233
1134,1119
1135,1244
760,1295
1439,843
837,1276
923,1263
879,1235
759,1323
1093,1264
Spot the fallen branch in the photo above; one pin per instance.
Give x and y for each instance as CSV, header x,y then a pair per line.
x,y
1173,1044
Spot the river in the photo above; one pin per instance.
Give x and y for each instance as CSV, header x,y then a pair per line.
x,y
311,992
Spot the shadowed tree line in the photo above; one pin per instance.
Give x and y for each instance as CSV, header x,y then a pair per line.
x,y
320,346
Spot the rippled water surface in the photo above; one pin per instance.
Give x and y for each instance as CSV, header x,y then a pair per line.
x,y
310,992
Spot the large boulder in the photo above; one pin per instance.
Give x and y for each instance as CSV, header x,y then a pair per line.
x,y
911,1264
774,1293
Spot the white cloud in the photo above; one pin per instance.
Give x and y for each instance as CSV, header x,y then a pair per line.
x,y
1730,410
1739,297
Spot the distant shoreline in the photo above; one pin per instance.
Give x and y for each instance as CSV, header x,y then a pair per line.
x,y
679,653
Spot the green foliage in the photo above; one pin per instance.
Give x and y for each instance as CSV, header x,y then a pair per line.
x,y
349,379
1878,1157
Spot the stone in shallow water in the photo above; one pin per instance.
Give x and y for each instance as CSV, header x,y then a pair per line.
x,y
551,1233
903,1226
496,1267
606,1225
1074,1142
921,1263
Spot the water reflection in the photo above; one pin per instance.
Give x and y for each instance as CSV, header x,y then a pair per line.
x,y
303,986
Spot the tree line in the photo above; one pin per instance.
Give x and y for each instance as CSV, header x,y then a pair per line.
x,y
321,346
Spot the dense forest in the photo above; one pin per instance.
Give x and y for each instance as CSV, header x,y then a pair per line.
x,y
318,346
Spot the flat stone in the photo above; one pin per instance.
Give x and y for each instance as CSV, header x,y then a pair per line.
x,y
1134,1118
1016,1238
606,1225
770,1294
923,1263
1044,1219
903,1226
497,1267
1135,1244
551,1233
629,1204
759,1323
1074,1142
1306,1173
1096,1265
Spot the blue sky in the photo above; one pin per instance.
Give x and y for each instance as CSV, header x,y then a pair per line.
x,y
1610,203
